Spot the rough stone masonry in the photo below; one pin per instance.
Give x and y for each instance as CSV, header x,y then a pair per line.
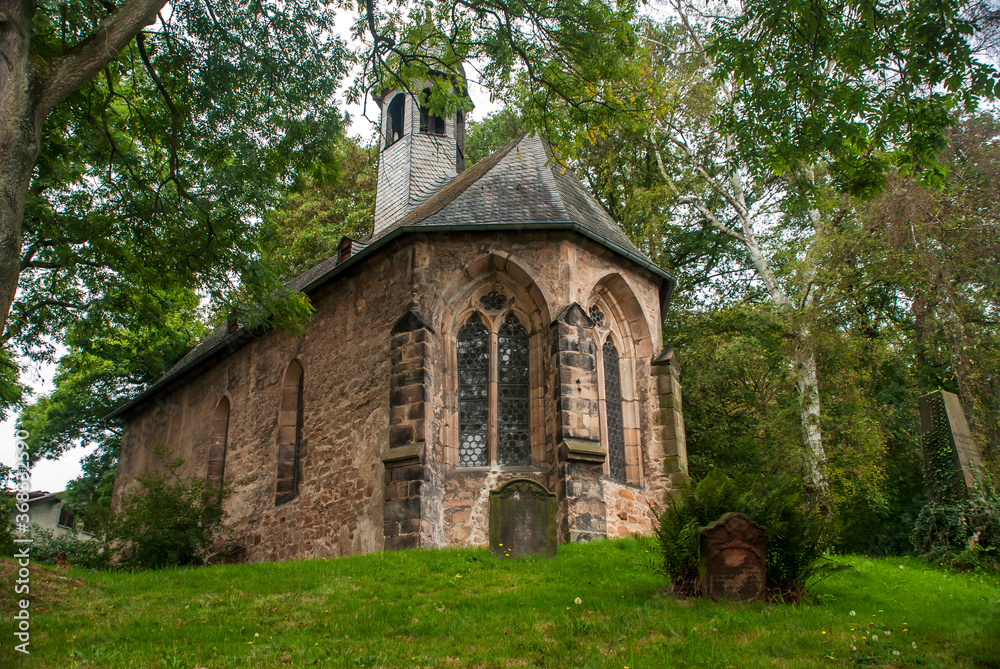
x,y
367,432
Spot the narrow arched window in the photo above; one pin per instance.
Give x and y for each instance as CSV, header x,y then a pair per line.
x,y
429,122
473,392
289,434
513,425
395,131
613,403
217,447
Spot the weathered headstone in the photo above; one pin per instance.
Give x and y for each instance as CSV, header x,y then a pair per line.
x,y
522,519
733,562
951,458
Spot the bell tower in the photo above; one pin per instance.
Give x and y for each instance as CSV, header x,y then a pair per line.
x,y
418,151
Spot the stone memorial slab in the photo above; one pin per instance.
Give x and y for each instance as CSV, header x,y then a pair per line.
x,y
952,460
733,562
522,519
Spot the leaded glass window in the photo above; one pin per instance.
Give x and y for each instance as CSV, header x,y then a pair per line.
x,y
493,301
514,426
613,403
597,315
473,394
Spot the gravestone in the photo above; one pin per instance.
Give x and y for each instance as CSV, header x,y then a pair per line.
x,y
522,519
952,461
733,562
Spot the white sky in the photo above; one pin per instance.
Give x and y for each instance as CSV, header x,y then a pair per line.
x,y
53,475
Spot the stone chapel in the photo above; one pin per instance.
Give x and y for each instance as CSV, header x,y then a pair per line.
x,y
496,324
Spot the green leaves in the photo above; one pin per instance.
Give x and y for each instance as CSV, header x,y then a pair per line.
x,y
170,520
859,85
565,62
154,177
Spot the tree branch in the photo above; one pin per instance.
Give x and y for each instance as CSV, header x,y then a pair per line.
x,y
82,62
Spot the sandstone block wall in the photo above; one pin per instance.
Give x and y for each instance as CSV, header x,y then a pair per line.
x,y
378,453
345,356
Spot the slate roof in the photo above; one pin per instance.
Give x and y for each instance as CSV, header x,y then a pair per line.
x,y
520,187
521,183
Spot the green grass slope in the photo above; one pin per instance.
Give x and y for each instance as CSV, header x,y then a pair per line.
x,y
463,608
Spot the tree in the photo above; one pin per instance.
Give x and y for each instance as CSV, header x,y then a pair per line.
x,y
938,248
312,219
494,132
554,53
105,365
170,520
763,120
138,158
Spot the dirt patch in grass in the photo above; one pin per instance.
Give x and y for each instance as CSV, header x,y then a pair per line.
x,y
48,587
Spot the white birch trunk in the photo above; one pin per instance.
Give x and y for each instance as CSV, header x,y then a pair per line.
x,y
807,381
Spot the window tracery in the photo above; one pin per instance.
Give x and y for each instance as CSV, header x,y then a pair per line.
x,y
617,393
494,391
615,414
493,301
597,316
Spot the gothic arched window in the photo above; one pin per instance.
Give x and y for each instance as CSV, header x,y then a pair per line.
x,y
514,428
617,392
396,130
494,417
289,434
615,416
473,393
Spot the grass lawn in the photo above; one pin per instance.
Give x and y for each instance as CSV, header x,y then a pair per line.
x,y
463,608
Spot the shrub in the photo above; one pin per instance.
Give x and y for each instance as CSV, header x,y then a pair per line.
x,y
796,531
170,521
963,533
46,547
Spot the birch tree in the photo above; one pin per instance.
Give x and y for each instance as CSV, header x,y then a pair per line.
x,y
699,161
766,116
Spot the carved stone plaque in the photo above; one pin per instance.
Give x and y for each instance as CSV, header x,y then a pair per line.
x,y
733,562
522,520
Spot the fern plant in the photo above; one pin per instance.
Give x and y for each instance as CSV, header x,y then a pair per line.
x,y
797,532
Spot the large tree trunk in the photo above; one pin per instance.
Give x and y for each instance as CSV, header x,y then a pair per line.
x,y
18,139
29,89
18,150
807,381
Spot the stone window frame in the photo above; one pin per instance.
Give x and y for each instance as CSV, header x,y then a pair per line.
x,y
66,517
615,328
289,434
470,307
